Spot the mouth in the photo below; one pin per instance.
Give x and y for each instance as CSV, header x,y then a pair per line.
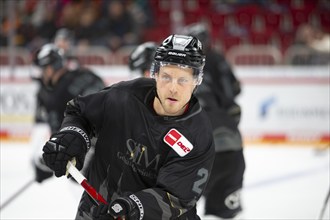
x,y
172,100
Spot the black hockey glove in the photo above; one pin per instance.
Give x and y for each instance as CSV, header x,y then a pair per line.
x,y
120,208
63,146
127,208
42,172
235,112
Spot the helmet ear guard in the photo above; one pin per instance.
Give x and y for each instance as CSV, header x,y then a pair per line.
x,y
153,70
199,78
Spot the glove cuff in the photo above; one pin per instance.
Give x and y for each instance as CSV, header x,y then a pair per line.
x,y
81,132
138,205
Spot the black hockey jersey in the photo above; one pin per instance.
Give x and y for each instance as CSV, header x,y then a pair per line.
x,y
164,161
220,86
218,91
51,102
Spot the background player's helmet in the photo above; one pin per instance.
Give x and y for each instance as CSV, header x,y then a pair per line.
x,y
142,56
199,30
48,55
182,50
64,39
64,33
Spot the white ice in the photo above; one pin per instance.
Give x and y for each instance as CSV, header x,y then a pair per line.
x,y
281,182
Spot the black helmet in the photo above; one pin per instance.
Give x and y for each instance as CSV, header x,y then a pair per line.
x,y
48,55
199,30
64,39
181,50
64,33
142,56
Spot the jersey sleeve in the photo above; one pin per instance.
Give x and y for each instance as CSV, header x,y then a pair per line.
x,y
84,83
180,183
86,112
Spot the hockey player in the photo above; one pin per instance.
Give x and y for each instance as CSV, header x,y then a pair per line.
x,y
64,40
154,149
142,57
217,96
58,85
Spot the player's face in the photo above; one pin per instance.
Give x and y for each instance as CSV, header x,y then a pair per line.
x,y
175,86
47,75
63,44
146,73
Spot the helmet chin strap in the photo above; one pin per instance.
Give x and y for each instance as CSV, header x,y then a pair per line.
x,y
156,95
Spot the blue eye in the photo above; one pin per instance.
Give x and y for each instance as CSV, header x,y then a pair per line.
x,y
183,81
166,78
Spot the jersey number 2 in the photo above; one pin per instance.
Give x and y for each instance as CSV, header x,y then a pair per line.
x,y
203,173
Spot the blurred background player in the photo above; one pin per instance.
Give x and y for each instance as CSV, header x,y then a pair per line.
x,y
58,85
64,41
141,58
217,96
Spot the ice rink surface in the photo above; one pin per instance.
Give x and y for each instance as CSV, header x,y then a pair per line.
x,y
281,182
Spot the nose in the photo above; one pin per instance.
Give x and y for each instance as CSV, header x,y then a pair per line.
x,y
173,86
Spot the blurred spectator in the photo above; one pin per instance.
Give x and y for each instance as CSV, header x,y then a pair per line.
x,y
321,41
4,32
70,14
19,25
87,31
304,35
47,27
142,12
44,18
116,23
311,47
324,5
119,25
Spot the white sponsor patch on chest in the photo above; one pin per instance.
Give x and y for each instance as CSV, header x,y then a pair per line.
x,y
178,142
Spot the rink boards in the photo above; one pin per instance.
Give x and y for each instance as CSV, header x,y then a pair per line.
x,y
279,104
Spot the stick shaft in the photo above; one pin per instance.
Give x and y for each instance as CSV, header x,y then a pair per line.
x,y
74,172
15,195
324,205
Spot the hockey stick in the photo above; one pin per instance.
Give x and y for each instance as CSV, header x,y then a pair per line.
x,y
15,195
74,172
324,205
